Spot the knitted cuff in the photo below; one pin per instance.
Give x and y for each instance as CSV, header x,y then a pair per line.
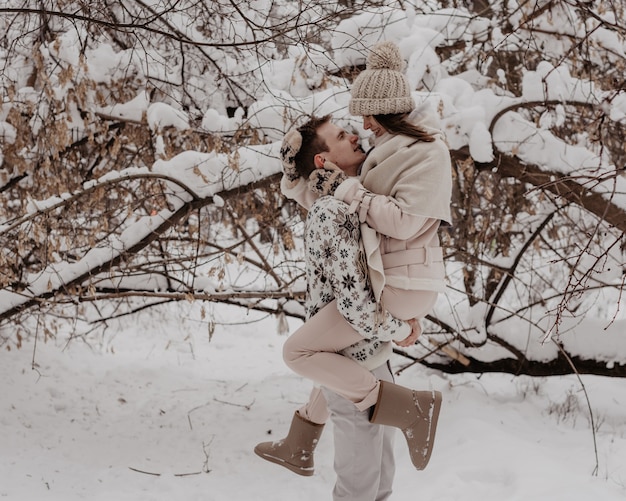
x,y
325,182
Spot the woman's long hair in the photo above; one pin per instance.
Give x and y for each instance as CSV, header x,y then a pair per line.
x,y
398,124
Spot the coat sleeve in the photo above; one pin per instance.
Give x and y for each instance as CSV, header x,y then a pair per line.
x,y
380,212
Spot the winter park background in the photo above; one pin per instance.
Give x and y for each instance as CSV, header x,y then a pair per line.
x,y
150,269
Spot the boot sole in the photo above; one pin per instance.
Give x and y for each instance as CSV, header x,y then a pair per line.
x,y
305,472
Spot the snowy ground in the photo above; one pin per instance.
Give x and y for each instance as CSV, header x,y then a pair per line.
x,y
154,411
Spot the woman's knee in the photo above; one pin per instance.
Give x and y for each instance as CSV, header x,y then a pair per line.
x,y
292,352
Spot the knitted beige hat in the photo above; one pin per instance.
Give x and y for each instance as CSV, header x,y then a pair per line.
x,y
382,88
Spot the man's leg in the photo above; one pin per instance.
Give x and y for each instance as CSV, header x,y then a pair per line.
x,y
364,461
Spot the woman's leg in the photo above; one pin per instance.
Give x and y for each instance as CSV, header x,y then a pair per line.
x,y
316,408
311,351
406,304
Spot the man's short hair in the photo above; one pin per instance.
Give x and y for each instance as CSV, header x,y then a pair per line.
x,y
312,144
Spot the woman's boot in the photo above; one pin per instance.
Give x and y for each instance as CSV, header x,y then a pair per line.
x,y
414,412
295,451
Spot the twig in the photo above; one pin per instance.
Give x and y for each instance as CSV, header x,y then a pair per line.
x,y
593,426
510,273
247,407
241,387
194,409
144,472
442,347
205,466
159,474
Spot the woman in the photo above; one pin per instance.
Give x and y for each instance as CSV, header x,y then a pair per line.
x,y
401,196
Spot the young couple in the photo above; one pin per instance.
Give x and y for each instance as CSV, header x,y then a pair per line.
x,y
374,268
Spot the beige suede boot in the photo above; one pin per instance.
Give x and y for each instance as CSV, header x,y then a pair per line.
x,y
295,451
414,412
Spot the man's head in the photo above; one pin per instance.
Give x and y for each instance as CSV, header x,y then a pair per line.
x,y
324,141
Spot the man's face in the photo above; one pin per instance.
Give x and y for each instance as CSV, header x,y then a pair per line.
x,y
343,148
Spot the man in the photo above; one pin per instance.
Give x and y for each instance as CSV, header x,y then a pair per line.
x,y
364,460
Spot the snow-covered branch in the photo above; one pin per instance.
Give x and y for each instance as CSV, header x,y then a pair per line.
x,y
139,159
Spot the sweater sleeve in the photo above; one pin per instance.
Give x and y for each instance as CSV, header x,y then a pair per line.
x,y
380,212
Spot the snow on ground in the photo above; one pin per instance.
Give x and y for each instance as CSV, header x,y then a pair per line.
x,y
153,411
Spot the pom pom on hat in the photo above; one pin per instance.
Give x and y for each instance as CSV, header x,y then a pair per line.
x,y
385,56
382,88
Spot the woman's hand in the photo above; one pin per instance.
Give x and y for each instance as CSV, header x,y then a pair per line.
x,y
416,331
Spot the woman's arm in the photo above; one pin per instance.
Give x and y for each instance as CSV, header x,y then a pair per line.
x,y
379,211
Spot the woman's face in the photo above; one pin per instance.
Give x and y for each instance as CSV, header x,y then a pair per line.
x,y
369,122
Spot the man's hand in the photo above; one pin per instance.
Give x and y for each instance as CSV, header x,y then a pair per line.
x,y
416,331
288,151
326,180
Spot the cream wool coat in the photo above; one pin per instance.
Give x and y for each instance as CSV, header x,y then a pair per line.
x,y
402,194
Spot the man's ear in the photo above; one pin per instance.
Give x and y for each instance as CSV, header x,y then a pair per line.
x,y
319,160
